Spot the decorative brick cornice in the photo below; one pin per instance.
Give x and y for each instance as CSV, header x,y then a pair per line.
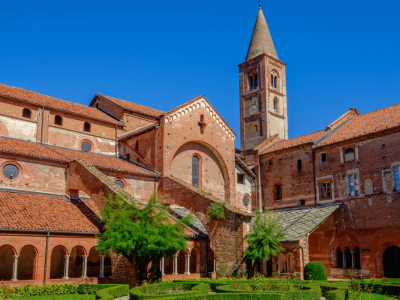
x,y
274,91
276,115
253,115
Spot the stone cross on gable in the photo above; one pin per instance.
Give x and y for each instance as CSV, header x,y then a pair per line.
x,y
202,124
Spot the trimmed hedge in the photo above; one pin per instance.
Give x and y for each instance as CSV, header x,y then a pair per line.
x,y
106,290
317,271
334,292
158,291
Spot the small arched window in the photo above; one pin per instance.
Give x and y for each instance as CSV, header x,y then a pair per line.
x,y
120,184
26,113
58,120
86,127
195,171
278,192
276,104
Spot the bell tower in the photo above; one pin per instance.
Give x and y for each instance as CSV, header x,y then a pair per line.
x,y
262,81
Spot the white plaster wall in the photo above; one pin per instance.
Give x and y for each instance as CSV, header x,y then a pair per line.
x,y
73,140
242,188
19,129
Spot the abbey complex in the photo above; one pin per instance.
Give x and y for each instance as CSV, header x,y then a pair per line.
x,y
336,191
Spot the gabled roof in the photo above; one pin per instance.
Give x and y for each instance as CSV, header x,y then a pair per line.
x,y
369,123
134,107
195,103
196,225
261,40
268,142
30,211
54,103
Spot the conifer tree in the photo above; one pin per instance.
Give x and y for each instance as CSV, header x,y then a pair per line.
x,y
144,234
263,239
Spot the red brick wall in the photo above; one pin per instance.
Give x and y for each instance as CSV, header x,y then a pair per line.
x,y
146,153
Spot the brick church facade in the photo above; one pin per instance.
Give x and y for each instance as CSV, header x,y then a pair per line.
x,y
336,191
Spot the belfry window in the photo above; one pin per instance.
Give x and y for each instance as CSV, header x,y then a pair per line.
x,y
195,171
274,80
253,82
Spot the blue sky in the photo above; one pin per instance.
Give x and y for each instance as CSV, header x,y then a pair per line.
x,y
339,54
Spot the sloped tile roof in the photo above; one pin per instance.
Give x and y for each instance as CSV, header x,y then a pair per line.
x,y
32,149
372,122
183,212
137,131
133,106
298,222
57,104
44,212
301,140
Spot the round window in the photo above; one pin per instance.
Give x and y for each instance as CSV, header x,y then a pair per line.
x,y
10,171
119,183
246,201
86,147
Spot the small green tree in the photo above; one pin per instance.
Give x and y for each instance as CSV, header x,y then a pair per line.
x,y
142,234
216,210
263,240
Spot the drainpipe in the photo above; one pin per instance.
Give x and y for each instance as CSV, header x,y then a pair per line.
x,y
45,258
315,183
116,141
41,132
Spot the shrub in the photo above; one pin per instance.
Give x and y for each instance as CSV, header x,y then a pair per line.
x,y
317,271
216,211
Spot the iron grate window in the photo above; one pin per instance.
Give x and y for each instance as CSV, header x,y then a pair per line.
x,y
246,201
119,183
10,171
86,147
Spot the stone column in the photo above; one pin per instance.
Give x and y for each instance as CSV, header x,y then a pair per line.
x,y
353,260
15,268
187,264
175,272
102,266
214,267
344,260
84,267
162,266
66,266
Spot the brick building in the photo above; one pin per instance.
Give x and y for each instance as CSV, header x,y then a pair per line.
x,y
334,190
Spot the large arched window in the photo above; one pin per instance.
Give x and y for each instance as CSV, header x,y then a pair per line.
x,y
195,171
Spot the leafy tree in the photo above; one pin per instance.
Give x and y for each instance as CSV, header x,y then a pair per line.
x,y
143,234
263,239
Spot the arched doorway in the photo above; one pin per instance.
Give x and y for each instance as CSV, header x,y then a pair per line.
x,y
357,258
391,262
26,262
281,263
57,263
76,262
339,258
6,263
210,261
168,265
349,259
93,263
291,262
107,266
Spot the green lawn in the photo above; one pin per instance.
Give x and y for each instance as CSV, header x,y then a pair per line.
x,y
60,297
367,296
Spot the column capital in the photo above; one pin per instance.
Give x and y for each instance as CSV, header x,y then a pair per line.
x,y
85,256
16,256
66,256
187,255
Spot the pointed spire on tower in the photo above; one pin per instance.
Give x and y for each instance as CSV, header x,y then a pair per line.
x,y
261,40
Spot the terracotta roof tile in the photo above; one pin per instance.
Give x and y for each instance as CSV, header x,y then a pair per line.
x,y
102,161
301,140
32,149
134,106
375,121
42,212
57,104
